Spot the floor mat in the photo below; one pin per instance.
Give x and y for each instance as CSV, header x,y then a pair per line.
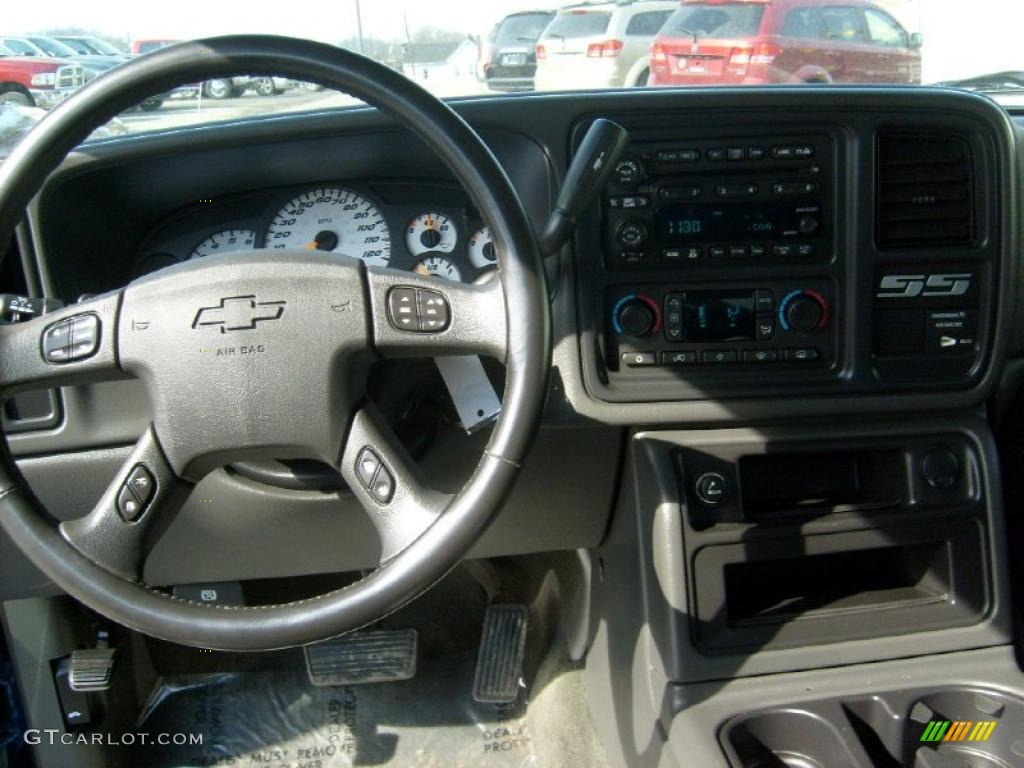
x,y
276,719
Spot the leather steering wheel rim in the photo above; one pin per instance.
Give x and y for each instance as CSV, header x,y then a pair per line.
x,y
527,347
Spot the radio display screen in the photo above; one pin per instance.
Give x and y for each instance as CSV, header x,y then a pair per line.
x,y
681,223
718,316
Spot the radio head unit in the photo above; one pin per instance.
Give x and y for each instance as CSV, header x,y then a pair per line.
x,y
712,202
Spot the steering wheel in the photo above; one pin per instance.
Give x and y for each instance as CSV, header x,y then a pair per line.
x,y
297,331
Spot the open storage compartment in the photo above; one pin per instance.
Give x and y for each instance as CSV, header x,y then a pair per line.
x,y
779,593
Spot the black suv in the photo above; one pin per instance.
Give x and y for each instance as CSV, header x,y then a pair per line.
x,y
509,58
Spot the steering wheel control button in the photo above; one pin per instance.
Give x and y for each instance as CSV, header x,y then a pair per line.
x,y
402,309
75,338
711,489
56,341
434,313
418,311
127,504
85,336
367,465
141,483
383,487
375,476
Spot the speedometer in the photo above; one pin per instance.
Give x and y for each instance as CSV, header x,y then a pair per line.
x,y
332,219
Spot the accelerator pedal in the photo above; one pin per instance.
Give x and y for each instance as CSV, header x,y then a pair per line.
x,y
363,657
499,665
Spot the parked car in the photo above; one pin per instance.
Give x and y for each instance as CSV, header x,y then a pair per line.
x,y
602,45
41,45
37,81
90,55
783,41
90,44
511,57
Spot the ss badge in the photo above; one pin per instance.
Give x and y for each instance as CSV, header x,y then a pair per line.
x,y
912,286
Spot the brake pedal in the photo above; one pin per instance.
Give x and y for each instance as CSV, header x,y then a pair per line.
x,y
91,669
499,664
363,657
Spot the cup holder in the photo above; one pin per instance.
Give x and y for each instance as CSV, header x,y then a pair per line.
x,y
959,727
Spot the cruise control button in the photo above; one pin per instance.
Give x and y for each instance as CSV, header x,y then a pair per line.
x,y
717,356
433,311
402,309
56,340
383,487
142,485
760,355
129,506
802,354
367,464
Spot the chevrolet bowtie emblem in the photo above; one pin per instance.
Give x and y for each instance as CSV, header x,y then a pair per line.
x,y
238,313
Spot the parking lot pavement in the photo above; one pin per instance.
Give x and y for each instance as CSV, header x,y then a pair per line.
x,y
175,113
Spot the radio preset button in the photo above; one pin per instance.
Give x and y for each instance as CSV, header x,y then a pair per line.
x,y
716,154
640,359
791,188
736,190
805,249
755,153
760,355
738,251
736,153
757,251
782,249
680,193
719,356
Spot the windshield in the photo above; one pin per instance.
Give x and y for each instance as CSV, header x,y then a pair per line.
x,y
578,24
504,48
716,21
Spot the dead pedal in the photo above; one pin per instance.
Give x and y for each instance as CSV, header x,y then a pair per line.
x,y
363,657
499,664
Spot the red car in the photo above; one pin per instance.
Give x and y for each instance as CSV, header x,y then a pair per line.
x,y
751,42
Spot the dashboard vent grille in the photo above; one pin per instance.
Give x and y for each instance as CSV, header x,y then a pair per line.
x,y
925,193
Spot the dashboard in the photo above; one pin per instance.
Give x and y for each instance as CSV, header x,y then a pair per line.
x,y
430,230
746,225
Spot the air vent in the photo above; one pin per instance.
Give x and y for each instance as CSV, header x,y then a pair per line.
x,y
925,194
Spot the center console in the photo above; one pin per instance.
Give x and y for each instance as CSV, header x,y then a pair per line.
x,y
843,257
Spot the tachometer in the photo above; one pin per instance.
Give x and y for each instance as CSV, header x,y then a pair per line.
x,y
333,219
430,232
439,266
481,249
225,242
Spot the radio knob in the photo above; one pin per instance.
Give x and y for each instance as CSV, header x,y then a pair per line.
x,y
807,224
629,171
805,312
631,234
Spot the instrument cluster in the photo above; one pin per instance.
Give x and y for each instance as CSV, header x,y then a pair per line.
x,y
430,230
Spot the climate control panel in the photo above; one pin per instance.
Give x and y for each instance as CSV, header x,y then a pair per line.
x,y
699,325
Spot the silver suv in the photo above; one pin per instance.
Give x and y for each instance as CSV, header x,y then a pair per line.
x,y
600,45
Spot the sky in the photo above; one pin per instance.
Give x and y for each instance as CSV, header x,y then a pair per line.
x,y
325,20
